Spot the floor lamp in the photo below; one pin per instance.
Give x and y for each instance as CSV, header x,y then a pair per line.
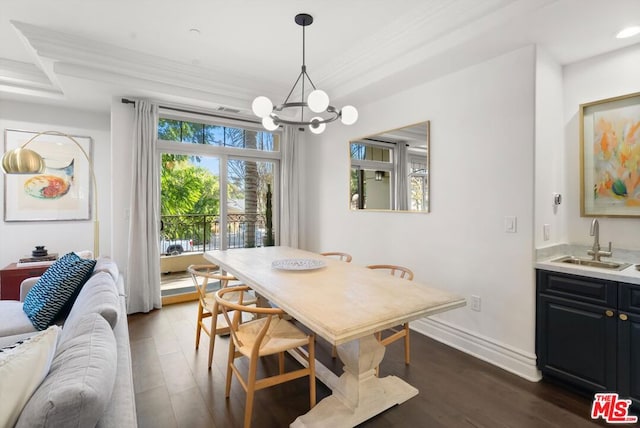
x,y
25,161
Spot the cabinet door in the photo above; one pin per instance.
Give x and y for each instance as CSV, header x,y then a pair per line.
x,y
629,343
576,343
629,358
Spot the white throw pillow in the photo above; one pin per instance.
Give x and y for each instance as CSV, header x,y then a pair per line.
x,y
23,366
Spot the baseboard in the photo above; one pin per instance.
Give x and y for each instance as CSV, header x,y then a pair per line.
x,y
515,361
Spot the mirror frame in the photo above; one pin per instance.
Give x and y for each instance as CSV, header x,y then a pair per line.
x,y
380,137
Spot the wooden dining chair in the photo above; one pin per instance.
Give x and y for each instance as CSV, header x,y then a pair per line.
x,y
267,334
403,330
202,274
339,255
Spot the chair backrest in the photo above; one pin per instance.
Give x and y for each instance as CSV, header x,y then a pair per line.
x,y
201,274
232,311
339,255
399,271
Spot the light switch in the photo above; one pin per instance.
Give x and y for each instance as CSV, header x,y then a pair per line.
x,y
546,229
510,224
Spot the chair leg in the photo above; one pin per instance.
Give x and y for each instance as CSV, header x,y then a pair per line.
x,y
230,359
198,325
281,362
251,388
312,373
407,345
212,335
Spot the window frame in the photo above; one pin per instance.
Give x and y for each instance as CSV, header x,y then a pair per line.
x,y
224,154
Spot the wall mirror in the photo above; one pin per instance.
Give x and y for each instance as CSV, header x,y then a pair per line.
x,y
390,170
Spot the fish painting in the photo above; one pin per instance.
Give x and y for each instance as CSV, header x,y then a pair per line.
x,y
53,184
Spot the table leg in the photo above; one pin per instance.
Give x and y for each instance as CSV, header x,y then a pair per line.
x,y
358,394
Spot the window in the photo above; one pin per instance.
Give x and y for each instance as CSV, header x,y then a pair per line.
x,y
219,190
418,174
217,135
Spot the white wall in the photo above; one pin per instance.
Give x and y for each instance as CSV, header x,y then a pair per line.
x,y
482,169
605,76
122,116
550,176
18,239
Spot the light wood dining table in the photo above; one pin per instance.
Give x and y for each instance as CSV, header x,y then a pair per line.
x,y
345,304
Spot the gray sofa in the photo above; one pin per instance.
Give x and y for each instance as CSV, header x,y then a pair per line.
x,y
82,384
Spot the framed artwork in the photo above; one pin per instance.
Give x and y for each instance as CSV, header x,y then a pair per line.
x,y
62,192
610,157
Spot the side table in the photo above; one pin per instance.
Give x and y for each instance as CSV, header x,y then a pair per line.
x,y
12,276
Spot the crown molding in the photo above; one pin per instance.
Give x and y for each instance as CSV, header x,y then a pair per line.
x,y
64,54
418,37
26,79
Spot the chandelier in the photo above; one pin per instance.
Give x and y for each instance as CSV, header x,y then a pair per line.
x,y
317,102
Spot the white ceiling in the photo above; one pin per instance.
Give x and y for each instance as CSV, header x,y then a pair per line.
x,y
80,53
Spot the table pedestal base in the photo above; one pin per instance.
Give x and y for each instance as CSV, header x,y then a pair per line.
x,y
358,394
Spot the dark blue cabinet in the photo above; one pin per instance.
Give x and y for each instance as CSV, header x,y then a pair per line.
x,y
588,333
629,343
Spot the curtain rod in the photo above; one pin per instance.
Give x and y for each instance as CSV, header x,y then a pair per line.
x,y
127,101
220,116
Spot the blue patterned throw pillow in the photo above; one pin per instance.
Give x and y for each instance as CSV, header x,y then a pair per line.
x,y
55,288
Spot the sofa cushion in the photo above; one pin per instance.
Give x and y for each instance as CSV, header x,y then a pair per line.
x,y
80,382
23,366
56,289
99,295
105,264
13,320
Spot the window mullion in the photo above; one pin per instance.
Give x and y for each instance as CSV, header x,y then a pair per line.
x,y
224,236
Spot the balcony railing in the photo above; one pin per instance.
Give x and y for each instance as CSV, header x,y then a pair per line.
x,y
201,232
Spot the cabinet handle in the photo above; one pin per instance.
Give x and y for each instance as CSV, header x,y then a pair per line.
x,y
608,313
624,317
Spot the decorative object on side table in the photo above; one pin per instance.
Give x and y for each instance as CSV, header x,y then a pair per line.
x,y
40,251
51,182
610,157
39,257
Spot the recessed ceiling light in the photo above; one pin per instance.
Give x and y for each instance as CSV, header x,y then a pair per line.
x,y
628,32
194,31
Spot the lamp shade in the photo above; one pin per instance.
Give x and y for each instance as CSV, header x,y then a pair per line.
x,y
316,127
262,106
349,115
22,161
269,124
318,101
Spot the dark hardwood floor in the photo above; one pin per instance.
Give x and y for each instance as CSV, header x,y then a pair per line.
x,y
174,388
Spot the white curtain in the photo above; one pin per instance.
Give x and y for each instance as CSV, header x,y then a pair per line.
x,y
402,177
143,267
289,187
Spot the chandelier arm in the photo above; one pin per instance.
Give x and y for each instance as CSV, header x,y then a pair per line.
x,y
335,114
294,86
309,79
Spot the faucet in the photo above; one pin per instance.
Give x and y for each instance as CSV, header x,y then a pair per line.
x,y
595,250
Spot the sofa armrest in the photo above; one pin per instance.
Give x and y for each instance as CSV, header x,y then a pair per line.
x,y
26,285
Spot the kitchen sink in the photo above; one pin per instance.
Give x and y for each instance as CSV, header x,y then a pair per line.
x,y
611,265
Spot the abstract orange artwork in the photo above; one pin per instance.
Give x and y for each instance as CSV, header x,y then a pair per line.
x,y
611,157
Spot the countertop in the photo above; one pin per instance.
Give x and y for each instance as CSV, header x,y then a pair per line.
x,y
629,275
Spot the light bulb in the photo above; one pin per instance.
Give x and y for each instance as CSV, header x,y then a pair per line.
x,y
318,101
269,124
316,127
262,106
349,115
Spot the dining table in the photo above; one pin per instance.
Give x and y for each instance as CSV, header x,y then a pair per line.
x,y
345,304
